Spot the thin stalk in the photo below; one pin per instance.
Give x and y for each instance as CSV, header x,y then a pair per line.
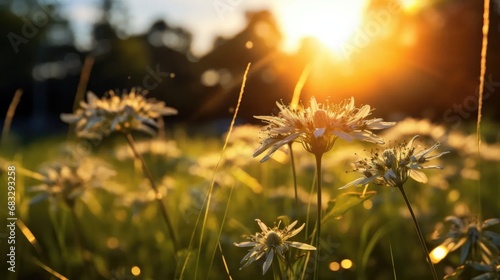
x,y
308,211
219,235
294,173
158,195
208,198
10,115
302,275
318,222
276,271
83,82
392,260
285,265
48,268
484,50
368,249
30,237
224,262
419,233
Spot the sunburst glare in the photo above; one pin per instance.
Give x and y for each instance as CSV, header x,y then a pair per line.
x,y
331,22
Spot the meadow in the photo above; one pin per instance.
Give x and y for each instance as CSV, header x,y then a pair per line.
x,y
88,209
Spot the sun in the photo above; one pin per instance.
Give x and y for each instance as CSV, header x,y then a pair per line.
x,y
332,22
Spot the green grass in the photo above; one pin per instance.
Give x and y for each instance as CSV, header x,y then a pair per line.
x,y
381,241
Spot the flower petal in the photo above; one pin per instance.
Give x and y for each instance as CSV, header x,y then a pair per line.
x,y
318,132
302,246
262,226
268,262
293,233
418,176
245,244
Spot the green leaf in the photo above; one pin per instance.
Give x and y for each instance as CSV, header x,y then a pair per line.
x,y
344,202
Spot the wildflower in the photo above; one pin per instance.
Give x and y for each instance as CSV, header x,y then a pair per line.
x,y
318,126
472,236
69,182
269,242
130,111
393,166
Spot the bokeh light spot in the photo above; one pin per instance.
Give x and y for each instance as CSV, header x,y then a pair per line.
x,y
368,204
334,266
112,243
453,195
210,78
346,263
249,44
135,270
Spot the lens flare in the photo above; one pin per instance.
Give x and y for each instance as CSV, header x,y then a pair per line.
x,y
332,22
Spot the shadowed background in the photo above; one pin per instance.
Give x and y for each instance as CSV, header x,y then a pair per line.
x,y
405,58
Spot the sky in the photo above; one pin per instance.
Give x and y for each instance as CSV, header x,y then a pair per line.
x,y
205,19
330,20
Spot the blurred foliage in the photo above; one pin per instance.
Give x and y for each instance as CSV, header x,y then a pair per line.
x,y
432,78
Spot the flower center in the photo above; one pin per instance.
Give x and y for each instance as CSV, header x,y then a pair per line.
x,y
273,239
320,119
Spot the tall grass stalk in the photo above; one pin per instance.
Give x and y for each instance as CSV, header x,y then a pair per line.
x,y
318,157
48,269
219,235
392,260
304,269
484,50
29,236
419,232
83,81
158,195
294,174
10,114
210,191
368,248
224,262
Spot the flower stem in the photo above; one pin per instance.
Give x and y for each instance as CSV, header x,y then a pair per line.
x,y
318,221
276,271
294,173
419,233
158,195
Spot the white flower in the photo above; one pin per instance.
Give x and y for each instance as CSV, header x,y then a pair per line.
x,y
269,242
70,181
472,236
130,111
393,166
318,126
